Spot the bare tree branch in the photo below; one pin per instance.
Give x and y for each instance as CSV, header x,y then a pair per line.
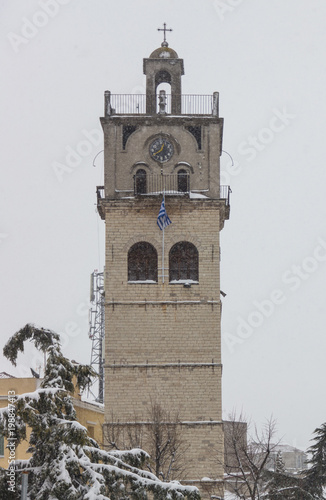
x,y
160,435
246,457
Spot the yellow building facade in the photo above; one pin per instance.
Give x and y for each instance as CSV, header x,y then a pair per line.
x,y
89,415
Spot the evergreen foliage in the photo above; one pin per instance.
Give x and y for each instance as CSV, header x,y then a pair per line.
x,y
315,477
285,486
66,464
279,463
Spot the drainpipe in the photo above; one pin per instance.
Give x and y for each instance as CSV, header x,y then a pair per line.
x,y
24,485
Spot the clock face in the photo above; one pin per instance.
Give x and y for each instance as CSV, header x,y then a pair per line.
x,y
161,149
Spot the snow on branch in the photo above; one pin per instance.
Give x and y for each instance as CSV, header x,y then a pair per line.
x,y
67,464
42,338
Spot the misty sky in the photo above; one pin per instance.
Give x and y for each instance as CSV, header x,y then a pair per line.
x,y
267,60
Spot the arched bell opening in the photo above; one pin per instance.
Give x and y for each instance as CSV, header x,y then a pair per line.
x,y
163,98
163,67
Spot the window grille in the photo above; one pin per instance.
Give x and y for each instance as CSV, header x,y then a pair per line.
x,y
183,262
142,262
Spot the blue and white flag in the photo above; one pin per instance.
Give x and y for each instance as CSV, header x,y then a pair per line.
x,y
162,218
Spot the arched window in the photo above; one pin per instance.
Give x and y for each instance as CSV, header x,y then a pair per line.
x,y
183,262
183,181
140,182
142,262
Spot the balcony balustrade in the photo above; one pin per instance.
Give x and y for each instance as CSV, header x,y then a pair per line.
x,y
164,104
169,184
161,183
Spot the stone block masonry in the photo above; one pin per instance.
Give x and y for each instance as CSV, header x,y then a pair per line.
x,y
163,342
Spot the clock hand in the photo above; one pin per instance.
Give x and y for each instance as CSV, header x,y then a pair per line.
x,y
158,150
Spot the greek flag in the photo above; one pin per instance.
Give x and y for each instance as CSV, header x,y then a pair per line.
x,y
162,218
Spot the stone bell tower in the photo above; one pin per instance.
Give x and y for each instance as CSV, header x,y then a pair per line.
x,y
162,295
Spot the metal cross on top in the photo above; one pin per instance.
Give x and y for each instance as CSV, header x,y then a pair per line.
x,y
165,29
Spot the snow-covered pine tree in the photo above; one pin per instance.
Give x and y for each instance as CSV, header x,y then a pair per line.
x,y
285,486
275,485
66,464
279,463
315,476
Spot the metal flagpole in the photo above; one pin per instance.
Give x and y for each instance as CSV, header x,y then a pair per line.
x,y
163,270
163,250
162,221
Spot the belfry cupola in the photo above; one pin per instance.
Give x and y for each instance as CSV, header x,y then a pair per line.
x,y
163,66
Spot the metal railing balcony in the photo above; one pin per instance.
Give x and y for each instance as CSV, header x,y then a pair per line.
x,y
161,183
158,184
225,192
161,104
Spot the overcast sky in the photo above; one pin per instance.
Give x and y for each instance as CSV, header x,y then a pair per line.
x,y
267,60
